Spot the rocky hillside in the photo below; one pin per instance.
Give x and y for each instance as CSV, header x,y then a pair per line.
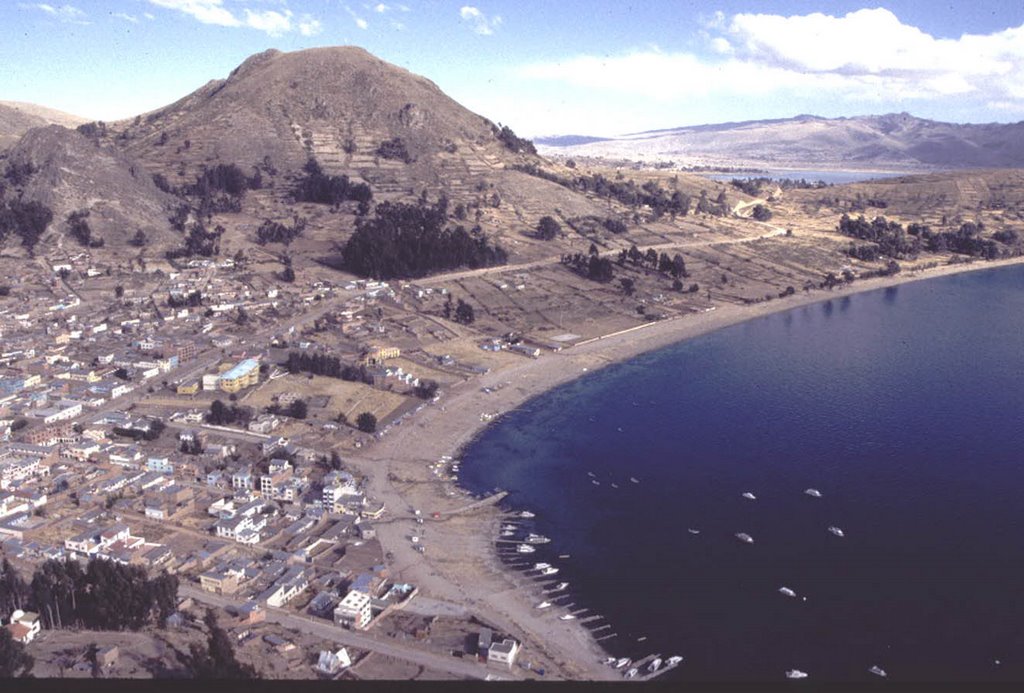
x,y
17,118
67,173
898,141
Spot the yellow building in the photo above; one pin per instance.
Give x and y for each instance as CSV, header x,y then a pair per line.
x,y
190,389
245,374
377,355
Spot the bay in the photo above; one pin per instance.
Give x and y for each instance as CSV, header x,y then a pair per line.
x,y
903,406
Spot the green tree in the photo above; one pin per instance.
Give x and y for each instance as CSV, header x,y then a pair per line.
x,y
14,661
217,660
548,228
464,313
366,422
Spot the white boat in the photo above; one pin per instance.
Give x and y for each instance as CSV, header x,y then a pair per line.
x,y
635,481
813,492
878,671
631,673
541,566
835,530
543,605
614,485
527,514
508,528
610,661
654,665
693,531
673,660
744,537
622,662
749,496
796,674
549,571
525,548
591,475
788,592
560,586
508,533
595,482
536,539
566,617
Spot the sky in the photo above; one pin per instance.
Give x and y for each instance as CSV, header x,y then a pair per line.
x,y
595,67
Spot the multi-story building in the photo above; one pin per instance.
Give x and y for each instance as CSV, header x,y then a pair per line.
x,y
245,374
353,611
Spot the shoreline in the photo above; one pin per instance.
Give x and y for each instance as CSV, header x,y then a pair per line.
x,y
464,566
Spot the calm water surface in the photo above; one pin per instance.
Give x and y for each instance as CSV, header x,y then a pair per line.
x,y
904,407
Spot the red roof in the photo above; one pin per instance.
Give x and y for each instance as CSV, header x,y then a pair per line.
x,y
19,631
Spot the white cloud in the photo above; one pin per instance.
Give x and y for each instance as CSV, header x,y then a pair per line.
x,y
272,22
478,21
205,11
308,26
126,17
360,22
868,55
149,15
381,8
64,13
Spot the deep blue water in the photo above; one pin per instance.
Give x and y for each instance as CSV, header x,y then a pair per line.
x,y
903,406
834,177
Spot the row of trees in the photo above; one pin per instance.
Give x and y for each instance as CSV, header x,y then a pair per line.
x,y
156,427
890,239
105,595
412,240
276,232
221,414
199,241
326,365
591,266
321,188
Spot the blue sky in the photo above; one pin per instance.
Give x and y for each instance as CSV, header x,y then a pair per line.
x,y
593,67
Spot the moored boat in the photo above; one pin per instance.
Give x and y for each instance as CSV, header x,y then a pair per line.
x,y
525,548
544,605
527,514
654,665
796,674
631,673
532,538
744,537
566,617
813,492
541,566
749,496
788,592
878,671
625,661
549,571
673,660
835,530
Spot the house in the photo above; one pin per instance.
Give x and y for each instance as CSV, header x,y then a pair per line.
x,y
245,374
107,657
24,626
219,581
503,653
251,612
290,585
323,604
332,662
353,611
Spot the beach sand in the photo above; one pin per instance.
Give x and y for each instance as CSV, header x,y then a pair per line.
x,y
461,565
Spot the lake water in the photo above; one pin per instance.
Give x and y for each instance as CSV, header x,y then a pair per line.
x,y
902,406
834,177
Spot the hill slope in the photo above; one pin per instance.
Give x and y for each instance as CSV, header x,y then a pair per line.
x,y
896,140
17,118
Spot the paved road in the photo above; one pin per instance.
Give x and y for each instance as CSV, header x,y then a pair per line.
x,y
466,668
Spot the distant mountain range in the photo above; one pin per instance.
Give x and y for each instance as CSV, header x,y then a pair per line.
x,y
898,141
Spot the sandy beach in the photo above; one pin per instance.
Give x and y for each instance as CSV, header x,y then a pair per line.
x,y
460,565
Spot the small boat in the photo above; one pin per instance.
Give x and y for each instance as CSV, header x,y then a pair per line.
x,y
549,571
641,638
625,661
796,674
508,528
744,537
634,480
595,482
591,475
813,492
693,531
536,539
835,530
508,533
673,660
566,617
788,592
614,485
879,671
610,661
749,496
631,673
654,665
541,566
560,586
525,548
543,605
527,514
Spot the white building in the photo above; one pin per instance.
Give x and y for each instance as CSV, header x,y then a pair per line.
x,y
353,611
